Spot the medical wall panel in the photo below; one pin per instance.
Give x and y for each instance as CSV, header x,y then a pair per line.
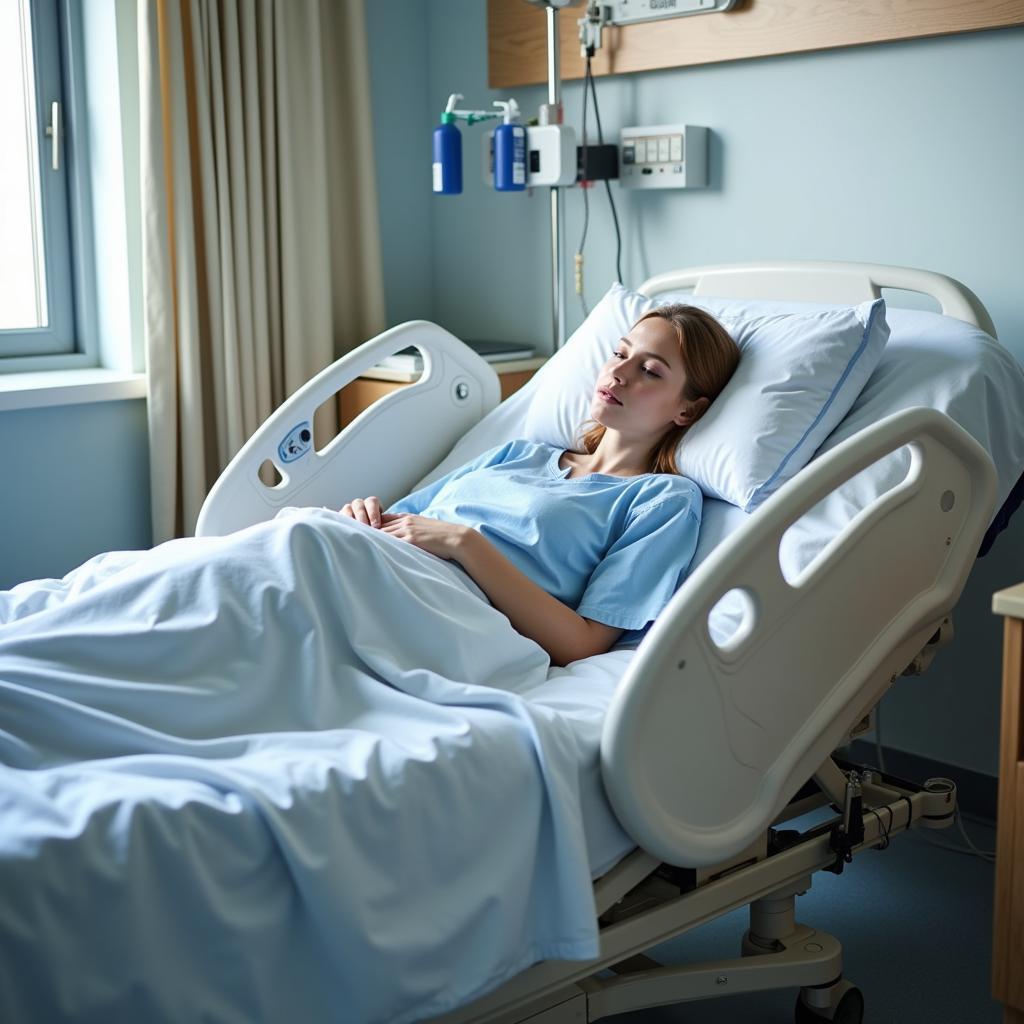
x,y
517,34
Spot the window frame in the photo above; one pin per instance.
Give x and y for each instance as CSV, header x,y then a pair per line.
x,y
69,341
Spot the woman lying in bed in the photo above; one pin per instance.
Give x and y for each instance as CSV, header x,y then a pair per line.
x,y
573,548
320,740
576,548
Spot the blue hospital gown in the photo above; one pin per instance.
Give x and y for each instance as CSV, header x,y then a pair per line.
x,y
614,548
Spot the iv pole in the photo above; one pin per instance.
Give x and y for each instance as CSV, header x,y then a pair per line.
x,y
597,16
551,113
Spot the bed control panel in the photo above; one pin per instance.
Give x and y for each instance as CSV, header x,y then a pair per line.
x,y
298,441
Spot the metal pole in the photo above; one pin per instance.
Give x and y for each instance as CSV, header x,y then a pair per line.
x,y
554,116
557,283
554,76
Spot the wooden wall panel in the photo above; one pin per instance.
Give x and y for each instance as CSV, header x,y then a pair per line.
x,y
517,33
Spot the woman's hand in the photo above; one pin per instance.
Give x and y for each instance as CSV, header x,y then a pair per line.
x,y
439,538
365,510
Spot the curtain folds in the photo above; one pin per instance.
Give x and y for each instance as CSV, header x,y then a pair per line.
x,y
261,245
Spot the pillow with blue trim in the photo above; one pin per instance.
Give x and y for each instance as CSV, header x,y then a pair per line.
x,y
799,374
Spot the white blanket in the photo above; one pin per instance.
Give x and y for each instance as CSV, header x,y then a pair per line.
x,y
284,774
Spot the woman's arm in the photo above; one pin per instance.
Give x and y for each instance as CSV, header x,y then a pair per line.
x,y
565,635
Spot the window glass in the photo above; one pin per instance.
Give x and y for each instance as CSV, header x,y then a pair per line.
x,y
22,258
39,295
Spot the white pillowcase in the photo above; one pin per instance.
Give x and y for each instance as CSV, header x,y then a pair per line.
x,y
799,374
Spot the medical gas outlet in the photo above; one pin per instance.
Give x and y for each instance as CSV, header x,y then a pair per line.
x,y
663,156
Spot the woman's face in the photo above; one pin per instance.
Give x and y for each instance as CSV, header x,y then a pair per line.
x,y
639,390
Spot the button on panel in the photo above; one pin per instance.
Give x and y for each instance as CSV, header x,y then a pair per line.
x,y
296,443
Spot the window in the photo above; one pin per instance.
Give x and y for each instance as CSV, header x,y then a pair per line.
x,y
41,299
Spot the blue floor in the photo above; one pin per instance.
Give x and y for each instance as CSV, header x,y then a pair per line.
x,y
916,927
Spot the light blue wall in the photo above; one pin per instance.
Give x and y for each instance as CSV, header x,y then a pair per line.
x,y
399,59
906,153
76,483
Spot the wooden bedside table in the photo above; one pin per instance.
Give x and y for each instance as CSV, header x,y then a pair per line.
x,y
1008,936
378,382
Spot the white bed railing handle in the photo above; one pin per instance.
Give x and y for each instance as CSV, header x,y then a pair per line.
x,y
376,453
701,749
827,281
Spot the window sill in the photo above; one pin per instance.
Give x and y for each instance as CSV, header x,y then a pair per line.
x,y
68,387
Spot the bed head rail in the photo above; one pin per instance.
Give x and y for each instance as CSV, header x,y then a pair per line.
x,y
831,282
705,742
384,451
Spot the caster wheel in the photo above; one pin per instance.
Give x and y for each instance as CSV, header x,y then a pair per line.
x,y
849,1010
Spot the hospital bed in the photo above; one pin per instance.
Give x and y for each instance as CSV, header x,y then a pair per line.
x,y
257,775
759,704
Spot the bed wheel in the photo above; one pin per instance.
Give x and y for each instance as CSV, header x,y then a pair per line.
x,y
848,1010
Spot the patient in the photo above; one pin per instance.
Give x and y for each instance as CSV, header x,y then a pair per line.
x,y
315,733
577,547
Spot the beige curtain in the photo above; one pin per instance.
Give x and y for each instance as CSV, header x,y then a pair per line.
x,y
261,245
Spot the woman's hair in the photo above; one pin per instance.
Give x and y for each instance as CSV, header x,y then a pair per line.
x,y
709,355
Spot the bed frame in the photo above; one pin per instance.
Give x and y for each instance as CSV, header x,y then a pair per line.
x,y
763,712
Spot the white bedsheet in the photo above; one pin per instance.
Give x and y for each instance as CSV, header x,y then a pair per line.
x,y
580,694
213,807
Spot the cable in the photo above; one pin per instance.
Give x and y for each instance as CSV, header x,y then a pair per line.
x,y
618,234
989,855
970,849
883,829
589,78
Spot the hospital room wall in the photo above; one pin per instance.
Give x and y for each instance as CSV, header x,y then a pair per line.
x,y
396,31
905,153
78,485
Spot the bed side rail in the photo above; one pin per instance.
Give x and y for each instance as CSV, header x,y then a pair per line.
x,y
823,281
384,451
704,743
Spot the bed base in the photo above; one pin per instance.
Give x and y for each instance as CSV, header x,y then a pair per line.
x,y
642,903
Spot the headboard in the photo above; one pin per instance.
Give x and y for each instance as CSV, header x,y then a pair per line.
x,y
814,281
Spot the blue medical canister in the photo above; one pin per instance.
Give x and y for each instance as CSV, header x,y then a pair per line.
x,y
509,151
447,156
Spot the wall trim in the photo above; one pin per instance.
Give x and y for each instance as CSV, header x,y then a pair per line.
x,y
68,387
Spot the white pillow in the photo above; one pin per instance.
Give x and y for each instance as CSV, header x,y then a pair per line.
x,y
799,374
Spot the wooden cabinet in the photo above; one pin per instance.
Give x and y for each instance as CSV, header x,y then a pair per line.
x,y
374,384
1008,938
